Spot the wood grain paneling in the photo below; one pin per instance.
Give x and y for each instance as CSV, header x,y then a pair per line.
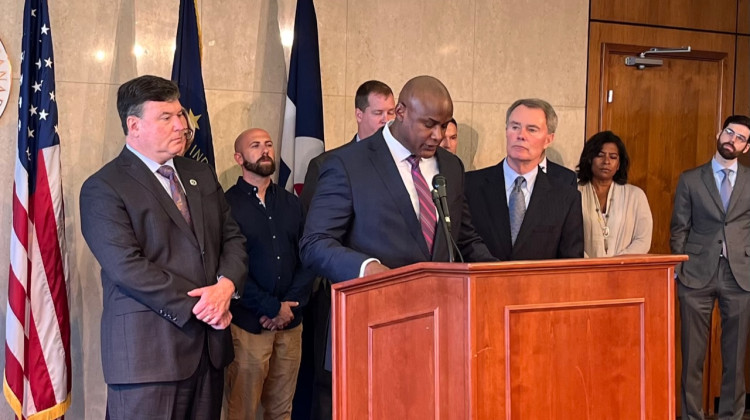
x,y
392,373
603,34
742,77
553,339
716,15
743,17
575,341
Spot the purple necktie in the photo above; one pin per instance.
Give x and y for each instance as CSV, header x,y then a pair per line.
x,y
427,216
178,195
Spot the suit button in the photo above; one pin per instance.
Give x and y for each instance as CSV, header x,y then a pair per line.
x,y
719,240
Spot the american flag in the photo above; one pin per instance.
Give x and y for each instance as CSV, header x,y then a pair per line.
x,y
302,136
37,342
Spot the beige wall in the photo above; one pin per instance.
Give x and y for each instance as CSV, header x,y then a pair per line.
x,y
487,52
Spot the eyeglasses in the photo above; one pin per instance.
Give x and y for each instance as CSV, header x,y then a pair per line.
x,y
189,134
729,132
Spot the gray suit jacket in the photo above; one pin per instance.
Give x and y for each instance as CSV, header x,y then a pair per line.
x,y
150,259
699,225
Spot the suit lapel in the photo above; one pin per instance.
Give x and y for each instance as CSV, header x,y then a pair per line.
x,y
382,160
194,198
707,175
133,166
740,184
496,201
537,206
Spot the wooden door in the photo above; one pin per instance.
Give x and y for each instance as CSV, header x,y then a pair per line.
x,y
667,116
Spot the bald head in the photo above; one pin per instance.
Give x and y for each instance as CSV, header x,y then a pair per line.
x,y
253,151
247,136
426,90
422,115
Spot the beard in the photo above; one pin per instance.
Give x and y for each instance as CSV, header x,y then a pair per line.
x,y
258,168
727,150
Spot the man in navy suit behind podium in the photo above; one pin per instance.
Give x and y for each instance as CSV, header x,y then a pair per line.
x,y
365,215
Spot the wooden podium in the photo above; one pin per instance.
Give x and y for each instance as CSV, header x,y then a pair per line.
x,y
556,339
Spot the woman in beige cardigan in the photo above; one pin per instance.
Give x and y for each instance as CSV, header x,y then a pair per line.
x,y
616,216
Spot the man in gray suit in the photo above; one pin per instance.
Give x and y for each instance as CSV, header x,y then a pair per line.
x,y
171,257
711,224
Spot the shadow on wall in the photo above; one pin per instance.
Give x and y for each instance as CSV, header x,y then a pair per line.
x,y
555,156
85,291
239,116
468,138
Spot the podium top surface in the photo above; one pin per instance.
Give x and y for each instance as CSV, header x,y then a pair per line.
x,y
468,269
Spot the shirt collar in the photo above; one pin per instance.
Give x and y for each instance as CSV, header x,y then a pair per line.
x,y
716,166
250,188
153,166
511,175
399,152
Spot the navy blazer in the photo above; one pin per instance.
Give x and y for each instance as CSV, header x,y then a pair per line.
x,y
552,226
562,175
361,210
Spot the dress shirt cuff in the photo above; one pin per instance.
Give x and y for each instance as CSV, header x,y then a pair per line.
x,y
364,264
236,294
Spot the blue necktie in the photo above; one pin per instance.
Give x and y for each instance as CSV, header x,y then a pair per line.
x,y
516,207
726,189
726,193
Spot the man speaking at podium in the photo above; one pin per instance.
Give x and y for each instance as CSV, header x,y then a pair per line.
x,y
373,210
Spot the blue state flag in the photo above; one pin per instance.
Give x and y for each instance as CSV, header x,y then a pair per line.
x,y
186,72
302,136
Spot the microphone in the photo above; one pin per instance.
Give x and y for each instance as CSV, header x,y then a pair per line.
x,y
440,185
439,196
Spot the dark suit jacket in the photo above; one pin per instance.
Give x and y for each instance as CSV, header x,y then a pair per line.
x,y
361,210
312,174
552,225
561,174
150,259
699,224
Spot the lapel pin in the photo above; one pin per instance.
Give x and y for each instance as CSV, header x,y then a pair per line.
x,y
193,182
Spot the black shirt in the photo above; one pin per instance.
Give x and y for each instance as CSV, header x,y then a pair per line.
x,y
275,272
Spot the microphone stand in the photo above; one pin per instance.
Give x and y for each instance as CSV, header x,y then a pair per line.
x,y
443,222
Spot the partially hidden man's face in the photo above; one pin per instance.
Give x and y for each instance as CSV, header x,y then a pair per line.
x,y
187,135
379,111
159,133
732,141
424,122
257,154
527,134
450,141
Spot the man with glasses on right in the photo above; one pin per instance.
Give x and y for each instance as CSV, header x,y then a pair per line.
x,y
711,224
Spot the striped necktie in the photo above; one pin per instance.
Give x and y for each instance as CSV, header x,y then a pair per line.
x,y
427,217
178,195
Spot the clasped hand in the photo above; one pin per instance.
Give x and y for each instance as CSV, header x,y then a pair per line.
x,y
280,321
213,305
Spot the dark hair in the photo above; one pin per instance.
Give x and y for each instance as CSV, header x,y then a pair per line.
x,y
549,113
592,148
737,119
362,98
453,121
132,94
